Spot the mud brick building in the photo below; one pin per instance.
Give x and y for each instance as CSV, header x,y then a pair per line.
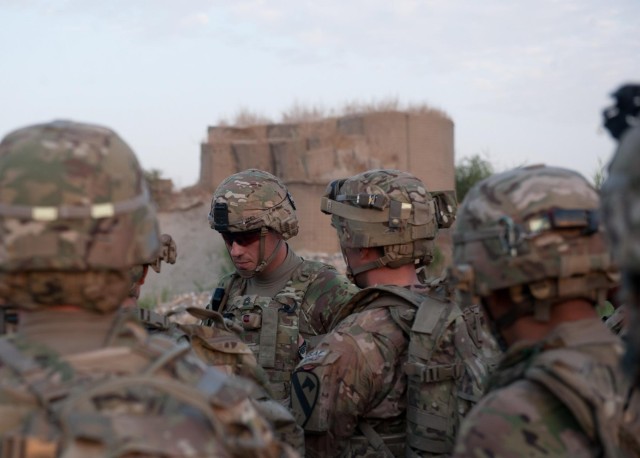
x,y
306,156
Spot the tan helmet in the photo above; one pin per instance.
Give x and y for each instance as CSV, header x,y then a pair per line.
x,y
251,200
75,216
534,232
389,209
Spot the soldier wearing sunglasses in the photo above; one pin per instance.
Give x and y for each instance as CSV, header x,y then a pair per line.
x,y
279,302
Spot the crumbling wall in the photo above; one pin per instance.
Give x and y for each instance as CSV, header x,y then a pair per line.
x,y
307,156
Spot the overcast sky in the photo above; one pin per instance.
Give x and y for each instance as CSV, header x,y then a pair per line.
x,y
524,81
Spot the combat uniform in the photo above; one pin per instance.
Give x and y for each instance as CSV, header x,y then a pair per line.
x,y
114,388
351,391
560,397
80,377
528,245
281,315
281,310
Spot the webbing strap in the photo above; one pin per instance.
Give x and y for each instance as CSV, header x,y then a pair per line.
x,y
95,211
422,418
426,351
374,439
268,338
429,445
435,373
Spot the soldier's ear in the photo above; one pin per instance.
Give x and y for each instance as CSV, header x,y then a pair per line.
x,y
369,253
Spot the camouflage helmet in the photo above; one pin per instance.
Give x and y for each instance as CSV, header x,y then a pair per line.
x,y
251,200
73,204
390,209
534,231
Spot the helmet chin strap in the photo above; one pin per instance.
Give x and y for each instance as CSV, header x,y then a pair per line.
x,y
262,263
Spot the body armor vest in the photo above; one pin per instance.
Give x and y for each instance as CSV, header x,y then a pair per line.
x,y
433,411
275,328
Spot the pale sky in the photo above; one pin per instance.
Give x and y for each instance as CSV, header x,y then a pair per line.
x,y
524,80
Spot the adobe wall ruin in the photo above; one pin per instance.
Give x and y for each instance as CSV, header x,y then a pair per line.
x,y
306,156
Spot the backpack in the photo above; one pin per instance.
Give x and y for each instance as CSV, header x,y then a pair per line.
x,y
78,408
433,413
590,392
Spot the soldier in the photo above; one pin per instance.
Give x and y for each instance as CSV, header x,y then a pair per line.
x,y
619,199
528,243
278,300
364,384
217,346
79,376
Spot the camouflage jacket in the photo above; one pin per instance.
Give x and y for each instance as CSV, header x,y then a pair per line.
x,y
351,391
561,397
219,347
82,384
281,328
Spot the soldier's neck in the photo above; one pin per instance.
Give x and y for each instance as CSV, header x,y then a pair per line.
x,y
401,276
66,330
269,283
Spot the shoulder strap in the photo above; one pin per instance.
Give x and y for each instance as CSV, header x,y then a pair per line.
x,y
432,318
220,295
592,397
395,298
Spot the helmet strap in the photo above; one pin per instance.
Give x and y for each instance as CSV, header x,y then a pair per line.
x,y
263,263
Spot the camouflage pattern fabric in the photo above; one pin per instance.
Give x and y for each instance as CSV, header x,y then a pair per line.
x,y
561,397
222,349
250,200
271,326
391,209
351,390
74,201
72,167
146,394
507,232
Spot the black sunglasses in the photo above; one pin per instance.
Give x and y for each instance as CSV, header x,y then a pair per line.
x,y
241,238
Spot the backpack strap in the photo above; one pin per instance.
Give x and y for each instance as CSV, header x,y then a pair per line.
x,y
395,298
589,391
429,430
220,295
432,318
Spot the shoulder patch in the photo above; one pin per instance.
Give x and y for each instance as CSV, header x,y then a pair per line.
x,y
313,356
306,387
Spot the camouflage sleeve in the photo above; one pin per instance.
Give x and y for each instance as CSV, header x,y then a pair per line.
x,y
327,294
521,420
345,377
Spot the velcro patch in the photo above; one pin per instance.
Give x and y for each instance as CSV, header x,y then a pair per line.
x,y
313,356
306,388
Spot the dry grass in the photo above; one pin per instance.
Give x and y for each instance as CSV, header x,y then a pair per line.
x,y
305,113
245,118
